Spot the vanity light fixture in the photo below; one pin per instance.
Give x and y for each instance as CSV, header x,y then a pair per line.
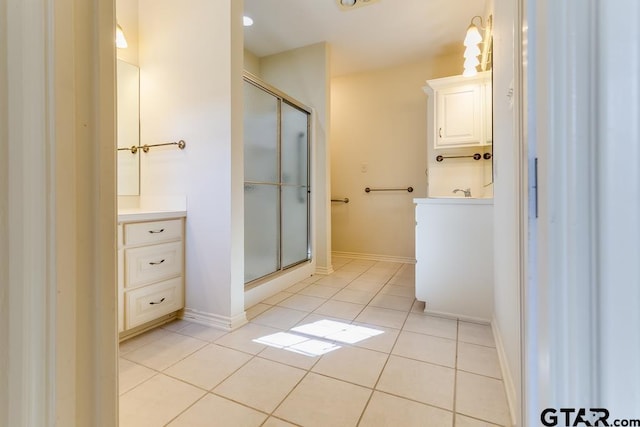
x,y
246,21
471,43
121,41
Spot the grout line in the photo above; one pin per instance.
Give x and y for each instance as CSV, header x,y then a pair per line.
x,y
455,373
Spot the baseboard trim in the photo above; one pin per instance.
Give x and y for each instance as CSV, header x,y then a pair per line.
x,y
456,316
216,321
374,257
324,270
509,387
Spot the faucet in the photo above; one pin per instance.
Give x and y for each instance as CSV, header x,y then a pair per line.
x,y
467,192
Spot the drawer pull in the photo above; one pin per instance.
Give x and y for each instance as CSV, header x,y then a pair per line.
x,y
159,302
156,231
156,263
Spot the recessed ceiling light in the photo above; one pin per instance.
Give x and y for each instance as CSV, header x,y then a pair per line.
x,y
246,21
353,4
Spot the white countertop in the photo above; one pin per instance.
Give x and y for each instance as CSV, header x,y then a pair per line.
x,y
136,215
453,201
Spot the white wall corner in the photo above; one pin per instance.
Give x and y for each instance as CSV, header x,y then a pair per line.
x,y
507,378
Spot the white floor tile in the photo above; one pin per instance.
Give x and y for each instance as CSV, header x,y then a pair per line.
x,y
340,309
202,332
279,317
475,333
354,296
479,359
297,287
352,364
162,353
432,325
176,325
400,291
319,401
419,381
156,402
302,302
215,411
463,421
382,316
279,297
290,358
208,366
131,374
385,410
333,281
319,291
392,302
242,339
275,422
427,348
366,284
142,339
481,397
383,342
260,384
257,310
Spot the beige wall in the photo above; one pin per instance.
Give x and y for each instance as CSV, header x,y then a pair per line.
x,y
378,140
251,63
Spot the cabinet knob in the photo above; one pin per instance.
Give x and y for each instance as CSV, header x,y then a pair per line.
x,y
156,231
159,302
156,263
440,132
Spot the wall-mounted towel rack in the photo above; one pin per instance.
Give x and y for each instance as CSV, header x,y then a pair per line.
x,y
476,156
134,148
369,190
345,200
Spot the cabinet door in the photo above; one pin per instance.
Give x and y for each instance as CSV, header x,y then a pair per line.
x,y
458,118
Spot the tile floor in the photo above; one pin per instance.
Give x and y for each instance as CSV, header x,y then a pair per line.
x,y
395,366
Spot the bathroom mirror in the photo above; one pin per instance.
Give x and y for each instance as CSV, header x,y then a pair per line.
x,y
128,123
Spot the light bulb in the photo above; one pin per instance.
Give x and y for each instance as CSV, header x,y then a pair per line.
x,y
471,62
473,36
473,50
470,72
246,21
121,41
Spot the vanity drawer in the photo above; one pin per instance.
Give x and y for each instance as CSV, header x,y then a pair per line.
x,y
148,264
150,302
152,232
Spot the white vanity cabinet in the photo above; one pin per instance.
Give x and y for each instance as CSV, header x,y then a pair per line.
x,y
150,272
454,254
461,110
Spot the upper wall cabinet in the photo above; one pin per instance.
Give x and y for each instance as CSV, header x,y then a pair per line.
x,y
461,110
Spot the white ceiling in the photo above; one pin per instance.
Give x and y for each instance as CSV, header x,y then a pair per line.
x,y
385,33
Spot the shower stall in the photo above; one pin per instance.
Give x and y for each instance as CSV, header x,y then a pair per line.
x,y
276,186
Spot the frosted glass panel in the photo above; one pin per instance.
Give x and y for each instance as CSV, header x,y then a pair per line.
x,y
260,230
276,186
294,145
295,242
260,135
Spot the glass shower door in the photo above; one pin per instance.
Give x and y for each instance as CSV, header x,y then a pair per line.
x,y
276,187
262,183
295,185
